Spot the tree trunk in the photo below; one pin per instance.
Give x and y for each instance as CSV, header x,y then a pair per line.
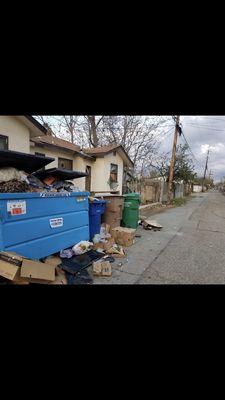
x,y
93,130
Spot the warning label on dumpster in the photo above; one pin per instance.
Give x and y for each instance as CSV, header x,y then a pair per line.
x,y
56,222
16,207
80,198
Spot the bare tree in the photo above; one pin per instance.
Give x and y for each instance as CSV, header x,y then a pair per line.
x,y
139,135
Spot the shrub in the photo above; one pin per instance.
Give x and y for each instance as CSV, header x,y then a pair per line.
x,y
180,201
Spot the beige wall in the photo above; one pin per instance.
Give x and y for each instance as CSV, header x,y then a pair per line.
x,y
100,169
18,134
52,153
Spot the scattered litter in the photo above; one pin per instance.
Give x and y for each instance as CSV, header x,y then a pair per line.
x,y
82,277
68,253
101,268
78,263
123,236
117,251
137,236
110,259
150,224
82,247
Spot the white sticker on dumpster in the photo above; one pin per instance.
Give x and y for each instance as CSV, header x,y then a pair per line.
x,y
16,207
56,222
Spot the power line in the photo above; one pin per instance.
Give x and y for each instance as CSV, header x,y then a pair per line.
x,y
193,155
204,127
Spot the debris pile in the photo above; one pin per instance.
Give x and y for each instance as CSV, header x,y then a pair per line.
x,y
13,180
149,224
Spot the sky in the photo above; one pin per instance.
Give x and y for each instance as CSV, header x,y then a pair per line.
x,y
203,132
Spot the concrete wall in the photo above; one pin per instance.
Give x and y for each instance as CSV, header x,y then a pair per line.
x,y
18,134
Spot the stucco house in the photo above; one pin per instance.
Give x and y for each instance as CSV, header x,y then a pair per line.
x,y
105,165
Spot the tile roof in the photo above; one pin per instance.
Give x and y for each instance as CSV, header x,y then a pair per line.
x,y
101,150
57,142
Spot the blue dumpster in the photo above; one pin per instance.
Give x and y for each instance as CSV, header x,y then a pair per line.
x,y
37,225
96,209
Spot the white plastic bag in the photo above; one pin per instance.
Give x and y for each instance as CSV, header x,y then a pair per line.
x,y
81,247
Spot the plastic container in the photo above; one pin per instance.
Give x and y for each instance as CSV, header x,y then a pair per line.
x,y
131,210
36,225
96,209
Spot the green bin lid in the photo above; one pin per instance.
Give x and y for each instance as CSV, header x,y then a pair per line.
x,y
132,196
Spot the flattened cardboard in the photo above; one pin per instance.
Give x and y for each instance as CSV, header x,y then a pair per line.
x,y
8,270
36,270
12,258
53,261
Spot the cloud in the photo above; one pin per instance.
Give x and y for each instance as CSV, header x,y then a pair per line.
x,y
201,133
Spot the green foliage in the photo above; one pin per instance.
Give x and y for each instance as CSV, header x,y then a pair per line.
x,y
207,182
180,201
184,168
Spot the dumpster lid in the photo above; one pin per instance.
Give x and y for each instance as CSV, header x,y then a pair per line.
x,y
23,161
60,173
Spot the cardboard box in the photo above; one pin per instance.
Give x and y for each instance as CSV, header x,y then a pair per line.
x,y
36,272
104,245
54,260
9,271
60,278
101,268
117,254
11,257
123,236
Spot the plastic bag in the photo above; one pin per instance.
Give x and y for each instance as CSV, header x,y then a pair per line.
x,y
82,247
9,174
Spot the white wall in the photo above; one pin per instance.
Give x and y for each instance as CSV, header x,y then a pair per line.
x,y
18,134
197,188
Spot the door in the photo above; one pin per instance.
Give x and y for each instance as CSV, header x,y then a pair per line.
x,y
88,179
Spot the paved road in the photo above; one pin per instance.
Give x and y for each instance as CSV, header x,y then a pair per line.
x,y
189,249
196,252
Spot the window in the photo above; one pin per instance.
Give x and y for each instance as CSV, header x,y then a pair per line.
x,y
113,172
65,163
3,142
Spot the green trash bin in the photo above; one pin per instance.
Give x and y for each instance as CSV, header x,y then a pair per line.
x,y
131,210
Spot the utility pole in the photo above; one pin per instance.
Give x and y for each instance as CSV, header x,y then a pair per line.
x,y
206,165
172,162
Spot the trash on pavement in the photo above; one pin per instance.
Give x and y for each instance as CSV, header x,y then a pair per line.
x,y
109,258
82,277
80,262
106,245
123,236
82,247
116,251
150,224
102,268
67,253
60,277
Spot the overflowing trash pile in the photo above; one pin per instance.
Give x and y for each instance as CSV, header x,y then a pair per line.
x,y
14,181
69,266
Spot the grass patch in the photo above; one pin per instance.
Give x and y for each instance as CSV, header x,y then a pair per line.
x,y
180,201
